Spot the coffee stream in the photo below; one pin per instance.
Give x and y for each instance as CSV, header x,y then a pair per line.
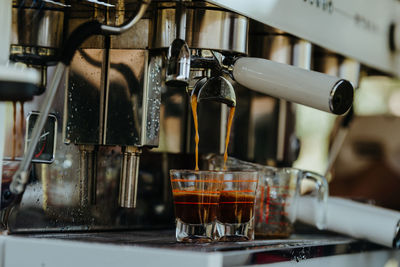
x,y
196,126
228,133
229,206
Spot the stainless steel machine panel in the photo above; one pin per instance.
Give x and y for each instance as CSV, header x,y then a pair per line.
x,y
207,28
124,97
83,97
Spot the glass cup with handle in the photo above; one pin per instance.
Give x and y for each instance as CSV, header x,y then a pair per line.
x,y
278,194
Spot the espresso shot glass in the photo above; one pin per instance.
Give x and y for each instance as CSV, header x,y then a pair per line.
x,y
235,216
196,198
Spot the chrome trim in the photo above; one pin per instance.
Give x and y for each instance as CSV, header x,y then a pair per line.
x,y
341,97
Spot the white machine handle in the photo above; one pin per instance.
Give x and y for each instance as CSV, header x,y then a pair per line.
x,y
376,224
310,88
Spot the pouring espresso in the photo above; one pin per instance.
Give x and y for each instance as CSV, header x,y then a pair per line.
x,y
213,89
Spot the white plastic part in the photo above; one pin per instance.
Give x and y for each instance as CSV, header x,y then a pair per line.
x,y
11,72
5,30
2,137
16,73
354,219
310,88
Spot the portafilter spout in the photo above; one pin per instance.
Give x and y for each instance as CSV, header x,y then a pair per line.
x,y
216,89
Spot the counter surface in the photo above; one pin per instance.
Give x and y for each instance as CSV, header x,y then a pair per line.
x,y
159,248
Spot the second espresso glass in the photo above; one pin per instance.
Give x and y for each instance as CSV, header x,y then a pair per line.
x,y
235,216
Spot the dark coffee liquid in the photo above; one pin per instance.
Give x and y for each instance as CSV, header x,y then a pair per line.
x,y
228,132
196,208
235,207
193,103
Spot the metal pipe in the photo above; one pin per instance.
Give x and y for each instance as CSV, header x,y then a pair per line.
x,y
121,29
87,175
129,177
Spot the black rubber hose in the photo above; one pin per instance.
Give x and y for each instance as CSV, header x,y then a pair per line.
x,y
77,37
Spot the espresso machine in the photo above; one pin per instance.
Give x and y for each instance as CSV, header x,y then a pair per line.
x,y
111,89
106,126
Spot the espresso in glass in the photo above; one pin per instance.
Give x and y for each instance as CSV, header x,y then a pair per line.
x,y
235,217
235,208
196,208
196,198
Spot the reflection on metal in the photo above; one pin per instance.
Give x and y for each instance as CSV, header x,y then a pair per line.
x,y
57,3
174,121
37,33
133,98
129,100
87,175
217,89
132,83
205,29
121,29
326,62
302,57
271,137
124,97
135,38
302,54
83,96
97,2
178,64
350,70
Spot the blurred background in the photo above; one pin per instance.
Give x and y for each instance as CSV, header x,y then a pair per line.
x,y
367,168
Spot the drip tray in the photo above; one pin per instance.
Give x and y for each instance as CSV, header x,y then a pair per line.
x,y
166,239
159,248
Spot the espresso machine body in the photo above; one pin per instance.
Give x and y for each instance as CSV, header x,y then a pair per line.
x,y
117,125
112,108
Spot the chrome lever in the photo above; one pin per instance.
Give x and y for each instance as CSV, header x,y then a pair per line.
x,y
178,64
